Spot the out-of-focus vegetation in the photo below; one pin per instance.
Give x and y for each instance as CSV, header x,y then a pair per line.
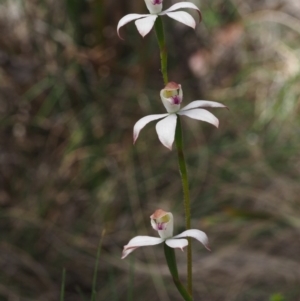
x,y
70,93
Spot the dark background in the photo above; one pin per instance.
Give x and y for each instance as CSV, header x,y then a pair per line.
x,y
70,93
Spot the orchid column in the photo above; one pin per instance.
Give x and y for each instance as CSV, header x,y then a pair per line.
x,y
169,127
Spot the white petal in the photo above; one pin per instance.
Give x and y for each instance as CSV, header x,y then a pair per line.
x,y
128,18
197,234
140,241
143,122
145,25
177,243
182,5
183,17
126,252
202,104
201,114
166,130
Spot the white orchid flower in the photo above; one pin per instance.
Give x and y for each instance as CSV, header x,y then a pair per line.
x,y
145,22
162,222
171,97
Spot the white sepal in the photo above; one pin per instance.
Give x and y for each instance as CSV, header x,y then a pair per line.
x,y
201,114
140,124
182,5
166,130
140,241
177,243
203,104
128,18
145,25
183,17
197,234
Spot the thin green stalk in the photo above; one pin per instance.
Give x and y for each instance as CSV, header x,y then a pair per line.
x,y
171,260
94,293
159,29
131,280
187,202
63,284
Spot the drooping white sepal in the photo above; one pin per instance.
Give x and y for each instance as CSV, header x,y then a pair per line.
x,y
140,124
197,234
201,114
140,241
177,243
182,5
166,130
203,104
145,25
183,17
128,18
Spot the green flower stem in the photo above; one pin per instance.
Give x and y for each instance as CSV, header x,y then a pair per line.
x,y
186,194
171,260
159,29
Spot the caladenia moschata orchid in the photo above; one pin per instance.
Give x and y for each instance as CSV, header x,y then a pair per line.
x,y
145,22
171,97
162,222
168,130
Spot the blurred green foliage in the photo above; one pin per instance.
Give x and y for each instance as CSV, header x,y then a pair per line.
x,y
277,297
70,93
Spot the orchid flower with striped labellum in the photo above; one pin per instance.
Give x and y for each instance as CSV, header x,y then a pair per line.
x,y
171,97
144,23
162,222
